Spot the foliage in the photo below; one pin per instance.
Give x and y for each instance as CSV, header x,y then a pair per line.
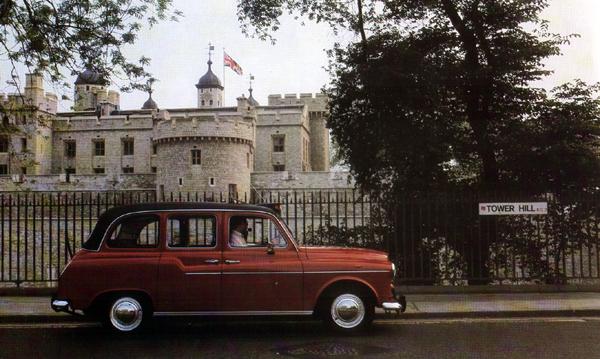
x,y
373,235
545,247
51,37
437,95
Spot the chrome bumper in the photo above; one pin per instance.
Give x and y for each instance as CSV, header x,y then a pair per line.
x,y
60,305
398,307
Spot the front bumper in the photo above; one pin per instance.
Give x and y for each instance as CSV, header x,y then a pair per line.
x,y
398,306
61,305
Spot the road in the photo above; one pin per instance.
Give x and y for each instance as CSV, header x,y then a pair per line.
x,y
473,338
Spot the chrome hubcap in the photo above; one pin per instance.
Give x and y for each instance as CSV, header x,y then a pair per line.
x,y
347,311
126,314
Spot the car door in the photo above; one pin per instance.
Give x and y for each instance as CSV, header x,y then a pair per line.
x,y
190,267
255,278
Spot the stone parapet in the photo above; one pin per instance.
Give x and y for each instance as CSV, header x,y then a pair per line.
x,y
207,126
137,181
301,180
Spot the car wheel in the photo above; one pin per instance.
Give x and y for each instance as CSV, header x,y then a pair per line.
x,y
349,311
126,314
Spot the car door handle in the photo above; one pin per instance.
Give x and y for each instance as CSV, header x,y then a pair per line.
x,y
212,261
231,261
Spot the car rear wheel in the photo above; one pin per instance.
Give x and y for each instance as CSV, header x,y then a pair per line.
x,y
126,314
349,311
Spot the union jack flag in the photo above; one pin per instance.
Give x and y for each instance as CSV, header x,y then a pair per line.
x,y
229,62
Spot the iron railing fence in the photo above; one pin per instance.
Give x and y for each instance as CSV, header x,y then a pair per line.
x,y
433,239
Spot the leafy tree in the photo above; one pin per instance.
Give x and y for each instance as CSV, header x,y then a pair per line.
x,y
437,95
53,37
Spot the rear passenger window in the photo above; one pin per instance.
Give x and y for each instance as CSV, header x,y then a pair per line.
x,y
136,232
191,231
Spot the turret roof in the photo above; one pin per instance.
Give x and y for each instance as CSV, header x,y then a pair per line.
x,y
209,80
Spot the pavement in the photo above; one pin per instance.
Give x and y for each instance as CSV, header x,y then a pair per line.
x,y
419,306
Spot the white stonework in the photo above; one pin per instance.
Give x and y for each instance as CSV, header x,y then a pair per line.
x,y
208,148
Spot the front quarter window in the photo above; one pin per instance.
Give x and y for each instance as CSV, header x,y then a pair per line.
x,y
255,231
135,232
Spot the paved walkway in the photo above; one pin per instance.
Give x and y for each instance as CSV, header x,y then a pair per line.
x,y
32,309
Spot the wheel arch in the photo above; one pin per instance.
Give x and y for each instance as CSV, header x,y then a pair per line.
x,y
103,298
331,287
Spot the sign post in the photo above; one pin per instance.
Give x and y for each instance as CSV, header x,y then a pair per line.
x,y
513,208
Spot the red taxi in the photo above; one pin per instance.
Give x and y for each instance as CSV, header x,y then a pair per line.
x,y
187,259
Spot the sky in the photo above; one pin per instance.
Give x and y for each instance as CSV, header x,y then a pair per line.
x,y
296,63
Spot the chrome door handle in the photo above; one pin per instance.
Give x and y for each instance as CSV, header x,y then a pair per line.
x,y
231,261
212,261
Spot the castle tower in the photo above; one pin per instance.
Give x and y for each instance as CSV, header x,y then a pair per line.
x,y
205,151
210,90
34,91
89,85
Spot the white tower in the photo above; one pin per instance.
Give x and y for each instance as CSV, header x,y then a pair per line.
x,y
210,90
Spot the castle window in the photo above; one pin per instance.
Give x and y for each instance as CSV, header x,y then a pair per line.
x,y
278,168
24,170
99,171
70,171
3,144
202,102
247,160
24,144
128,147
154,149
196,157
99,148
279,143
127,169
3,170
70,149
180,181
153,169
211,181
211,102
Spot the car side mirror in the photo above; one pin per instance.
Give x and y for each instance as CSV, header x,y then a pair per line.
x,y
270,249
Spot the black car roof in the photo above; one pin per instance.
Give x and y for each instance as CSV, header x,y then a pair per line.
x,y
111,214
116,212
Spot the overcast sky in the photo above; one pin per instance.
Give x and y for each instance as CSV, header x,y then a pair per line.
x,y
296,62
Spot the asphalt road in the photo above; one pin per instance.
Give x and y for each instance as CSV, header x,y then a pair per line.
x,y
474,338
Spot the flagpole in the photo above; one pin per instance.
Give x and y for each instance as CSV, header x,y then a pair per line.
x,y
223,60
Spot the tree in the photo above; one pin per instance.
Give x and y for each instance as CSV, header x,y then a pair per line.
x,y
54,37
437,95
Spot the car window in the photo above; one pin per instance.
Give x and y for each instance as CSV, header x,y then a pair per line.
x,y
254,231
136,232
191,231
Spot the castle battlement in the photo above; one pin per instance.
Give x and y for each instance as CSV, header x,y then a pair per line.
x,y
316,102
207,125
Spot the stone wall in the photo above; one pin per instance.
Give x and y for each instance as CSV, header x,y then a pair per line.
x,y
138,181
86,129
176,159
301,180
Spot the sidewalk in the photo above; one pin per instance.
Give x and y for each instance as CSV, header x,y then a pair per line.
x,y
37,309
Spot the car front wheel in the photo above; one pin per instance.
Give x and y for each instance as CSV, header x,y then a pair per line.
x,y
125,314
349,311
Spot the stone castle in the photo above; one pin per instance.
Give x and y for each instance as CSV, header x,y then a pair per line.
x,y
207,148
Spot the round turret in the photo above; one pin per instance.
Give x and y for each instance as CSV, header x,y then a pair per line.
x,y
210,90
251,100
89,77
204,151
150,104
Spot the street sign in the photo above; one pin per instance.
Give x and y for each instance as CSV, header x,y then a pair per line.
x,y
512,208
